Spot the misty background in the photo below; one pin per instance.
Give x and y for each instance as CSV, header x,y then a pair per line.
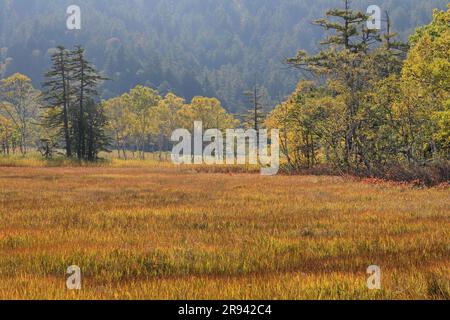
x,y
190,47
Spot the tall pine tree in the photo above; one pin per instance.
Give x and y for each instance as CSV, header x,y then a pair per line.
x,y
86,80
71,92
255,115
57,95
344,64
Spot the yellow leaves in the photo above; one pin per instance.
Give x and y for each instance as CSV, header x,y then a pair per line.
x,y
6,128
167,113
142,115
14,86
302,86
15,79
425,85
428,62
209,111
427,68
442,119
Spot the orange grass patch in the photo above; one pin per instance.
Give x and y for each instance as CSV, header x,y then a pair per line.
x,y
164,232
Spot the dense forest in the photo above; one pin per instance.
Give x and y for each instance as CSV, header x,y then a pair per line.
x,y
366,102
214,48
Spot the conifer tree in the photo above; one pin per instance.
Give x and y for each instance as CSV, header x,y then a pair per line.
x,y
57,95
349,32
344,63
86,80
97,139
254,118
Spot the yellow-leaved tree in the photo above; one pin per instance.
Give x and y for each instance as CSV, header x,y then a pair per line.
x,y
424,107
142,103
19,102
210,112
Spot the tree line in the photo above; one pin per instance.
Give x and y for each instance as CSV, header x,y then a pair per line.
x,y
67,116
192,47
370,102
143,120
367,103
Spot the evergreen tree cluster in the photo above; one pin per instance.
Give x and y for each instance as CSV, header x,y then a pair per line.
x,y
372,104
70,93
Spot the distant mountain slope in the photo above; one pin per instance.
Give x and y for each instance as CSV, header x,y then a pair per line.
x,y
192,47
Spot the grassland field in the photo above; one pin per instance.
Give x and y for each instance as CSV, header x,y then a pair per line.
x,y
156,231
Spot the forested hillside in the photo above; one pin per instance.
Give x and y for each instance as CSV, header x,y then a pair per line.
x,y
191,47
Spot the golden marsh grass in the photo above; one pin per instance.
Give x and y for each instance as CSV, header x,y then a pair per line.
x,y
162,232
